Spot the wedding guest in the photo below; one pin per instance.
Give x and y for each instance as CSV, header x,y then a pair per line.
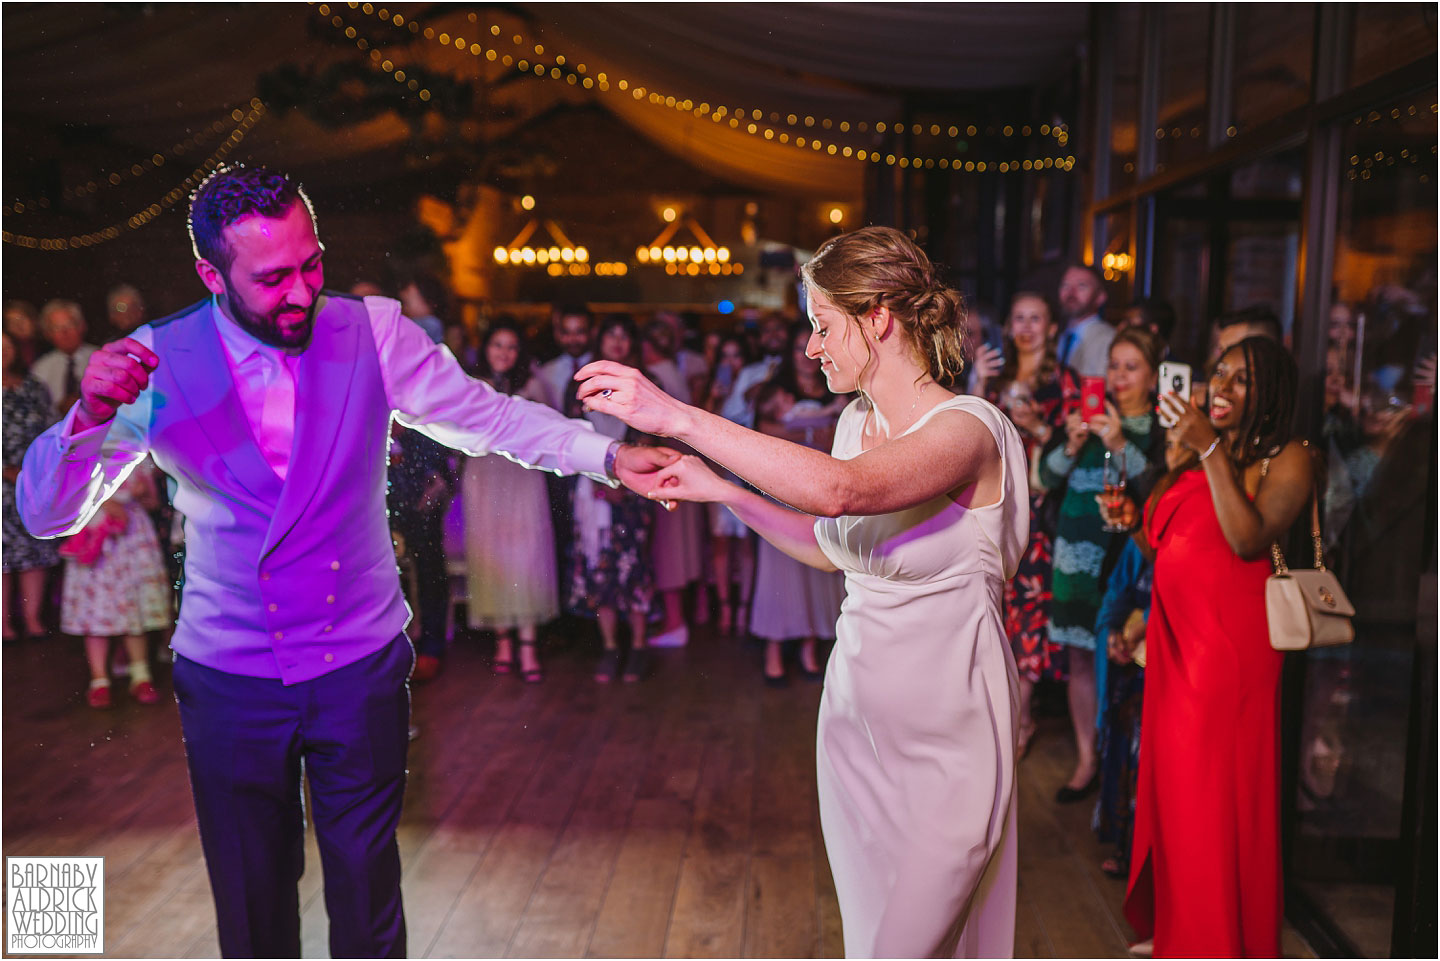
x,y
124,308
1128,432
1232,327
612,574
1031,387
1085,343
22,323
792,600
574,332
27,560
1205,871
509,544
1155,315
419,493
732,547
60,370
678,536
424,299
1120,680
115,586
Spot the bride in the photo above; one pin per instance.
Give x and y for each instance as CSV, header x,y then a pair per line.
x,y
922,504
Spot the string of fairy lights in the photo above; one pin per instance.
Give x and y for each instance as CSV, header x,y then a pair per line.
x,y
752,121
244,122
132,171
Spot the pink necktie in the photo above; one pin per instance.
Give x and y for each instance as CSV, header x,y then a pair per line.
x,y
277,414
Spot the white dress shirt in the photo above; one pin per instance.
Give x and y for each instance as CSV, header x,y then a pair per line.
x,y
557,374
737,407
424,384
265,386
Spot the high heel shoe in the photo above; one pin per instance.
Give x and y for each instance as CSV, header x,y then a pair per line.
x,y
504,665
535,675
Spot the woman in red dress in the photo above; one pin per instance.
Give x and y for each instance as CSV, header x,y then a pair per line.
x,y
1205,873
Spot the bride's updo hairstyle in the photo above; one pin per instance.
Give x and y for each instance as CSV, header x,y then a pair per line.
x,y
881,267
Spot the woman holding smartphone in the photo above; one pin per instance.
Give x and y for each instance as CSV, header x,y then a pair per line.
x,y
1031,387
1083,548
1205,873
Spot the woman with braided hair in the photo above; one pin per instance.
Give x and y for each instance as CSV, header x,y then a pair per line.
x,y
1205,863
922,504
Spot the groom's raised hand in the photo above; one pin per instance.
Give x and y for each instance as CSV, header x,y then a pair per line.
x,y
114,376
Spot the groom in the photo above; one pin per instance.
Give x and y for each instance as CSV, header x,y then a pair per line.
x,y
269,405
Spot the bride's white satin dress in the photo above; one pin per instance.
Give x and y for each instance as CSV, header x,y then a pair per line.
x,y
916,740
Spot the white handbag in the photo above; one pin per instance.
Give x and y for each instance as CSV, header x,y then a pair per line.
x,y
1307,609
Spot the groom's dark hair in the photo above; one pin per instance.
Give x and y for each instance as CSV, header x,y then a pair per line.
x,y
231,193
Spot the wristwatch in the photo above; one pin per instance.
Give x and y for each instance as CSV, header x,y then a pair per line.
x,y
610,454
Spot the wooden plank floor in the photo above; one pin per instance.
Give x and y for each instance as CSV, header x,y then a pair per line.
x,y
674,818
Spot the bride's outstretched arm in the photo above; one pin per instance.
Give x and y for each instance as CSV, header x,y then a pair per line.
x,y
942,455
789,531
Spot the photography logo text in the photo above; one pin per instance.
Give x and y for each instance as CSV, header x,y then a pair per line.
x,y
55,905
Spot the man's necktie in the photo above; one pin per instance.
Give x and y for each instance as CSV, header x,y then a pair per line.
x,y
277,414
72,377
1067,346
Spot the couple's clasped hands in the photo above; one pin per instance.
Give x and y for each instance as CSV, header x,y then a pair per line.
x,y
658,473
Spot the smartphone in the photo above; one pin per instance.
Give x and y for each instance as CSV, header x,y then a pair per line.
x,y
1423,398
1174,379
1092,397
725,377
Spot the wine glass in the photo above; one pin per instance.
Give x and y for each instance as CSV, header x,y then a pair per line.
x,y
1113,495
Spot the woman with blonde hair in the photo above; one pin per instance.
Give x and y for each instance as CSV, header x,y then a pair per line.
x,y
922,504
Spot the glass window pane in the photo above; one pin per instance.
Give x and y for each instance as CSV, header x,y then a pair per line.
x,y
1379,517
1125,106
1389,35
1184,62
1274,45
1182,270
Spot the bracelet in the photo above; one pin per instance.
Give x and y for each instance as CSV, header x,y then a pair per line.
x,y
1211,449
611,453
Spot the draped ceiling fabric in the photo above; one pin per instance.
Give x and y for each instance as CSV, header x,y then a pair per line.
x,y
845,61
137,78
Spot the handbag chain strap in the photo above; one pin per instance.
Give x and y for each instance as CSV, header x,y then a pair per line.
x,y
1275,555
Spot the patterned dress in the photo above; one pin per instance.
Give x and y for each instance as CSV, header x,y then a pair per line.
x,y
611,553
1121,692
27,414
1081,544
124,591
1027,594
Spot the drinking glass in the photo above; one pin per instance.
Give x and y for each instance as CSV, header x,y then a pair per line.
x,y
1113,495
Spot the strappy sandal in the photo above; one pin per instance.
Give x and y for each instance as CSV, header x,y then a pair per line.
x,y
506,666
535,675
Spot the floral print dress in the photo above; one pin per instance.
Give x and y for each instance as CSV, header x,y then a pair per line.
x,y
611,554
1027,594
27,414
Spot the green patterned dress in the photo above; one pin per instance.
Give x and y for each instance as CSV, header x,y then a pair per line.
x,y
1081,543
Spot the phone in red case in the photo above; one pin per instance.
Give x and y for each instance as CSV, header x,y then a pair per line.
x,y
1092,397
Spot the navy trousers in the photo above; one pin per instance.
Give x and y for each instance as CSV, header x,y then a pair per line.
x,y
249,741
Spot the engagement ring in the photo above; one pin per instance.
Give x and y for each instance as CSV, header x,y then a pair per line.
x,y
606,392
